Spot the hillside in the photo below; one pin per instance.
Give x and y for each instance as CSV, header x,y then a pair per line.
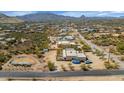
x,y
7,19
50,17
46,17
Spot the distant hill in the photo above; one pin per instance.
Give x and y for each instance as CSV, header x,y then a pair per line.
x,y
46,17
3,15
82,16
6,19
121,16
49,17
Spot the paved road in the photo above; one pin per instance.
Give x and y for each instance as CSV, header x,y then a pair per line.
x,y
93,46
62,74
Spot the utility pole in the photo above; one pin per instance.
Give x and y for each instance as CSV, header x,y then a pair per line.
x,y
109,54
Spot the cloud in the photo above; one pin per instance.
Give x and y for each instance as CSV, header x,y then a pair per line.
x,y
102,14
72,14
117,11
17,13
111,14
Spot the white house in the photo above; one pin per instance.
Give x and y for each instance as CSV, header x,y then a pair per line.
x,y
63,42
70,53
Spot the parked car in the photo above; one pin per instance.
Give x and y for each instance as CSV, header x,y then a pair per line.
x,y
88,62
76,61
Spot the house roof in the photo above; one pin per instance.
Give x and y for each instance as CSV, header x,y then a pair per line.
x,y
72,52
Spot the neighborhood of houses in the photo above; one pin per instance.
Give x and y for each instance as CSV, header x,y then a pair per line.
x,y
68,49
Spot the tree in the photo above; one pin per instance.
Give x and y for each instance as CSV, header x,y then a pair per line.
x,y
2,57
99,53
51,66
85,67
9,79
82,42
34,79
120,47
122,58
111,65
86,48
0,67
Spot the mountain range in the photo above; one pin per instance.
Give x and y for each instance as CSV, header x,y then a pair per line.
x,y
47,17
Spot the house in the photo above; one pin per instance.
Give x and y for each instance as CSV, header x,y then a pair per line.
x,y
69,54
69,38
63,42
66,40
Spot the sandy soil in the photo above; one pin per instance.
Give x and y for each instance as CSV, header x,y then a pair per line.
x,y
97,63
83,78
92,78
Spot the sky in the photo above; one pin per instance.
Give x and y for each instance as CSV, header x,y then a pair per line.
x,y
70,13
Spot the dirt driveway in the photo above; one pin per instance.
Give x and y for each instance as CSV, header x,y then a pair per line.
x,y
97,63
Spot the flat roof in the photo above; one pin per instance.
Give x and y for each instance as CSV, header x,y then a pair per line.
x,y
66,42
69,37
72,52
81,55
24,59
